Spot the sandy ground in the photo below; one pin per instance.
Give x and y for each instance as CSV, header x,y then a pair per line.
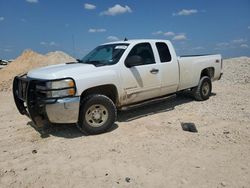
x,y
146,148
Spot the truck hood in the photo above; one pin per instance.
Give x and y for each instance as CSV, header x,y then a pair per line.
x,y
60,71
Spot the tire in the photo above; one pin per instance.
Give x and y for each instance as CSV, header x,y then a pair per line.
x,y
97,114
203,90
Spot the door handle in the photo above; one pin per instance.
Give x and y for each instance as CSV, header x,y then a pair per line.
x,y
154,71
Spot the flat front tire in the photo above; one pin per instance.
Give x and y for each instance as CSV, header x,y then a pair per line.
x,y
203,90
97,114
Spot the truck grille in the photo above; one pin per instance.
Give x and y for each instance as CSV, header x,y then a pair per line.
x,y
22,89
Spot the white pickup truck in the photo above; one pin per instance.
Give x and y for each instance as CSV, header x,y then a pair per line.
x,y
113,75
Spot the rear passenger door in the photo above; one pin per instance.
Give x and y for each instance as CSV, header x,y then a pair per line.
x,y
142,81
169,68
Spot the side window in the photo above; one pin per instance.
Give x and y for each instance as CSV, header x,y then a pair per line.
x,y
163,51
145,51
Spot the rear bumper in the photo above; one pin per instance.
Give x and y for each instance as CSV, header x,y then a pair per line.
x,y
39,109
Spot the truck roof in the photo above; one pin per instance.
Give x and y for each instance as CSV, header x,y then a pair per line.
x,y
136,41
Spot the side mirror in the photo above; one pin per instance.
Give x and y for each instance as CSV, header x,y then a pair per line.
x,y
134,60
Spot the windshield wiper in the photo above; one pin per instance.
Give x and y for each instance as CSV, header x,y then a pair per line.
x,y
79,61
95,63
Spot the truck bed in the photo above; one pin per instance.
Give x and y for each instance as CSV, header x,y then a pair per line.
x,y
192,65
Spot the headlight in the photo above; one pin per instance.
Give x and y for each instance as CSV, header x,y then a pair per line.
x,y
61,88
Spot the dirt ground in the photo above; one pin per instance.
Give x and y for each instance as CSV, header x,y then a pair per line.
x,y
146,147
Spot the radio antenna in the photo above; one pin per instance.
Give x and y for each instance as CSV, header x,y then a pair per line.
x,y
73,45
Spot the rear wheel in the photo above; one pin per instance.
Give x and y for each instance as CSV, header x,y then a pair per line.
x,y
97,114
203,90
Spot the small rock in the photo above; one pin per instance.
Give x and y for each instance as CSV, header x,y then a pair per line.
x,y
197,167
183,181
34,151
69,156
106,174
25,169
118,182
13,171
226,132
127,179
223,184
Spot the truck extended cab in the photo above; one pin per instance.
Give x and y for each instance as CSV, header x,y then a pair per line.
x,y
112,76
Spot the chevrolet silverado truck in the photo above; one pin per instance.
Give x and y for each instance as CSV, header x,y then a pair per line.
x,y
112,76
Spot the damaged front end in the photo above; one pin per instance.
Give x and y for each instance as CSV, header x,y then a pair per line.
x,y
46,101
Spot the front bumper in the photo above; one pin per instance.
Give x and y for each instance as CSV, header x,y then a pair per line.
x,y
63,110
42,111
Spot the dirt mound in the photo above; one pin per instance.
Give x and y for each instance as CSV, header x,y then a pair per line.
x,y
58,57
236,71
29,60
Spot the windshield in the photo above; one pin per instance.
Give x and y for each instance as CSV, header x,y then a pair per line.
x,y
105,55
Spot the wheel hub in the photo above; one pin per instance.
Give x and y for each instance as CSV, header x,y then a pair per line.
x,y
205,89
96,115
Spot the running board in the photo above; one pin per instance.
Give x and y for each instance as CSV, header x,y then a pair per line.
x,y
147,102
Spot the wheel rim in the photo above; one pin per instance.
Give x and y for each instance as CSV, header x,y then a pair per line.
x,y
205,89
96,115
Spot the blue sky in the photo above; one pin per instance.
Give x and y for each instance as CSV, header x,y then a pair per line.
x,y
77,26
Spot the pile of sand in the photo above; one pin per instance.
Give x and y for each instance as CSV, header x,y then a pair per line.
x,y
236,71
27,61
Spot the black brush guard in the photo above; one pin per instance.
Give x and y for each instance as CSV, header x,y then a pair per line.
x,y
26,99
31,101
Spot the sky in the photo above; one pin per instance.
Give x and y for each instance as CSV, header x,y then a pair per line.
x,y
78,26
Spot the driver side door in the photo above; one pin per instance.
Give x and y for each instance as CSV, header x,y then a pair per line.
x,y
142,81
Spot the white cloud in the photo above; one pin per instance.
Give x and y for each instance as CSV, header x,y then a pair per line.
x,y
91,30
244,46
112,38
157,33
89,6
7,50
52,43
2,18
32,1
239,41
23,20
177,37
169,33
117,9
186,12
43,43
222,44
180,37
198,48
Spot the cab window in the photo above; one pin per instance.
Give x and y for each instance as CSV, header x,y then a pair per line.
x,y
143,50
163,51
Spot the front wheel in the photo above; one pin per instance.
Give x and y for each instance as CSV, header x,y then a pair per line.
x,y
203,90
97,114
